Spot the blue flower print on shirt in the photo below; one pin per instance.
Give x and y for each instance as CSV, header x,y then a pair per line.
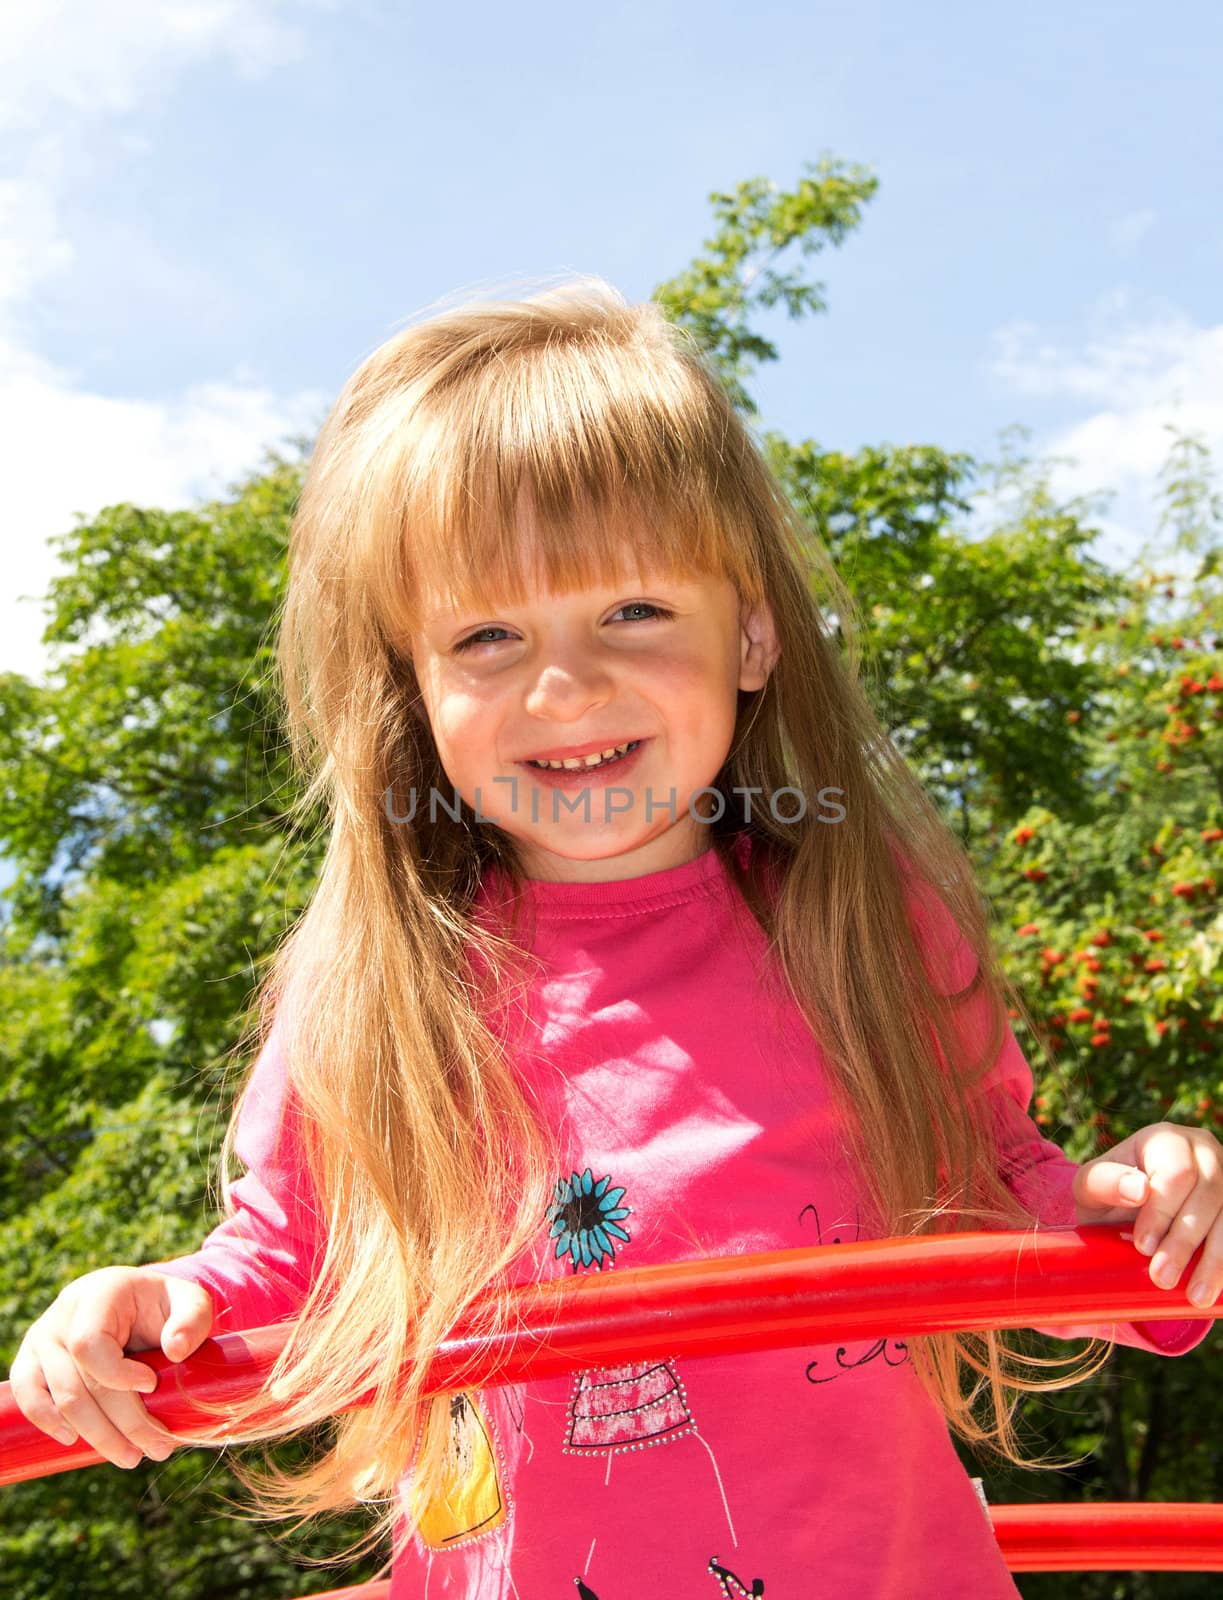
x,y
584,1219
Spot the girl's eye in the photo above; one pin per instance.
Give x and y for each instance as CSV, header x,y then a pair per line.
x,y
478,638
644,605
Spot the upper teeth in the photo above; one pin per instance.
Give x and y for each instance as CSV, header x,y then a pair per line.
x,y
586,761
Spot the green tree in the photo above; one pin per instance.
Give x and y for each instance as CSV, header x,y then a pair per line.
x,y
1112,925
141,794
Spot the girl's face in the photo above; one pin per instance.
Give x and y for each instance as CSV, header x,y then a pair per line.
x,y
655,660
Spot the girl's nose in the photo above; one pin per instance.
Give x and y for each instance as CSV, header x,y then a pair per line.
x,y
566,691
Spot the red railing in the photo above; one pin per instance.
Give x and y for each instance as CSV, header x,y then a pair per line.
x,y
878,1288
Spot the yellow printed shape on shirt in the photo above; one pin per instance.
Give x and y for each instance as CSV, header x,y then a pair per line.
x,y
472,1501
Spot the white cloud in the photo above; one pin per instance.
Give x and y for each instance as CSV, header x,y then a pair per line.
x,y
69,450
1121,359
92,60
1132,377
71,71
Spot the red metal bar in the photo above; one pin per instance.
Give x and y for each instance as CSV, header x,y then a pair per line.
x,y
1111,1536
773,1300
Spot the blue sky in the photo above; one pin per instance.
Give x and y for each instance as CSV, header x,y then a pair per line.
x,y
211,211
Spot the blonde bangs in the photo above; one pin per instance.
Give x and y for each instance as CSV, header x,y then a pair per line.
x,y
591,452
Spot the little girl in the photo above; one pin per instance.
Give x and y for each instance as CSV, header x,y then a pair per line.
x,y
635,941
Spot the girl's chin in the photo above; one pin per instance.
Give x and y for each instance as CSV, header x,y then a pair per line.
x,y
599,856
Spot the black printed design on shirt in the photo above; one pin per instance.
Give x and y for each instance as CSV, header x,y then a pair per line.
x,y
894,1352
732,1585
880,1348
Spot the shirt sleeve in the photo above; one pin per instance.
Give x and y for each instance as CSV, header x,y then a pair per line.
x,y
258,1264
1038,1172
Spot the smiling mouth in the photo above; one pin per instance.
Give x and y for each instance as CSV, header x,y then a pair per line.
x,y
591,763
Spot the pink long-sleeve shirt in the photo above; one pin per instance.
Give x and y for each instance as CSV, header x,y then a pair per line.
x,y
694,1117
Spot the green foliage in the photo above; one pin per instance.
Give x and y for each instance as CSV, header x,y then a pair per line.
x,y
967,638
1066,718
1113,928
141,795
165,1528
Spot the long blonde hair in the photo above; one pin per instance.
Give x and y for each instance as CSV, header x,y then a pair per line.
x,y
430,1170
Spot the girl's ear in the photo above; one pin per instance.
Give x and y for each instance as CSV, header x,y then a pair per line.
x,y
759,649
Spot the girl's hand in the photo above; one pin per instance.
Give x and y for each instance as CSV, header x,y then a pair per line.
x,y
71,1376
1169,1180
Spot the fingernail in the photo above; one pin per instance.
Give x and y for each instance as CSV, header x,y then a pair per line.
x,y
1147,1243
1133,1186
1166,1273
1200,1294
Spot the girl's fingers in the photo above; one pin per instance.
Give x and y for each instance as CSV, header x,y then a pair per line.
x,y
1195,1217
114,1422
103,1362
1206,1284
33,1398
1172,1167
77,1405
